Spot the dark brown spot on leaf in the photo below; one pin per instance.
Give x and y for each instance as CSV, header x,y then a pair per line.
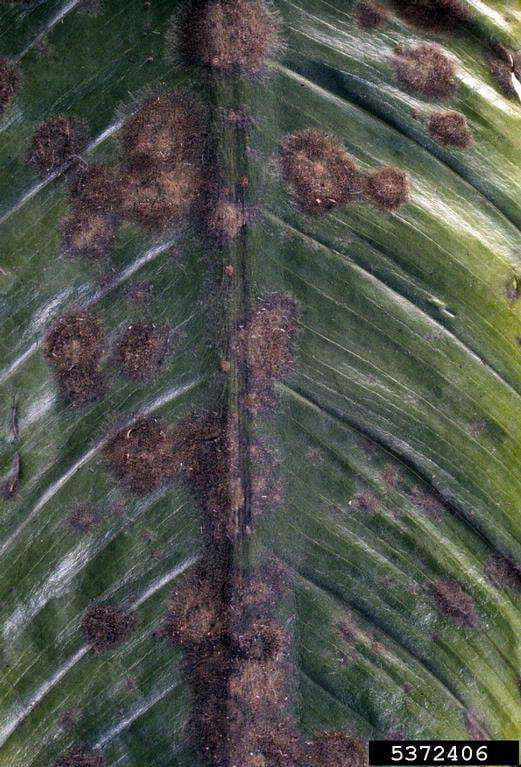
x,y
435,15
98,188
336,749
74,339
504,573
55,143
451,129
425,69
388,188
88,235
323,176
231,35
106,627
371,16
504,66
141,350
9,82
84,519
227,219
81,757
455,603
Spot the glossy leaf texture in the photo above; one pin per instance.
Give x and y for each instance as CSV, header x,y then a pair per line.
x,y
397,431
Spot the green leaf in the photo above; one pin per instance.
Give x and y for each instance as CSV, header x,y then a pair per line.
x,y
380,467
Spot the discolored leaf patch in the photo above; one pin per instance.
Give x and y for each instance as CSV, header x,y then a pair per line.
x,y
434,15
75,339
169,129
505,65
453,602
425,69
336,749
141,455
97,188
227,219
82,757
9,82
370,16
232,36
141,351
106,627
88,235
55,143
321,173
84,519
388,188
504,573
193,609
266,344
450,129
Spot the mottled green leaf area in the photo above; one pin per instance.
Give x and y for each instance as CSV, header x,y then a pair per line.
x,y
407,384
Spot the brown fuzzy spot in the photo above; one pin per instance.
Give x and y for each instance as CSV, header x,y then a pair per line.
x,y
455,603
368,502
81,384
451,129
259,685
169,129
262,640
425,69
227,219
84,519
70,718
371,16
88,235
81,757
107,627
323,176
267,742
388,188
435,15
55,143
504,573
163,197
99,189
9,82
141,351
427,502
74,340
504,65
193,615
141,455
266,344
230,35
9,486
336,749
391,477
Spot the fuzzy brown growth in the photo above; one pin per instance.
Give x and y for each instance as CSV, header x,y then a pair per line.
x,y
141,455
504,66
97,188
141,351
227,219
75,339
504,573
81,384
230,36
319,170
262,640
434,15
425,69
9,82
451,129
266,344
81,757
166,196
388,188
55,143
84,519
336,749
169,129
455,603
88,235
107,627
371,16
193,614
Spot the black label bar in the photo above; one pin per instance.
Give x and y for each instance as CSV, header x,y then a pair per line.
x,y
444,752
